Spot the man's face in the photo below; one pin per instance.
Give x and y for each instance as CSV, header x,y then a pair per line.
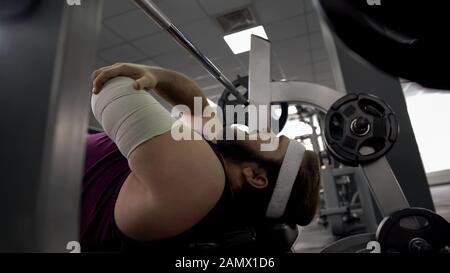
x,y
250,199
264,144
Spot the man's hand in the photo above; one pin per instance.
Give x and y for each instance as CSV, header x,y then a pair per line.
x,y
145,76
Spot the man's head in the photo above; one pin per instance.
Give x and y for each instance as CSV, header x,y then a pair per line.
x,y
253,173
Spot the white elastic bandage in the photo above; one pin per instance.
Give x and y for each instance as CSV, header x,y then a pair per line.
x,y
285,181
129,117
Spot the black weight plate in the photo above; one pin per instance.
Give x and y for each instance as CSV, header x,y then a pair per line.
x,y
405,38
395,234
345,144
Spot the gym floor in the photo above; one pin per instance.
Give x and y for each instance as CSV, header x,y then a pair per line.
x,y
314,237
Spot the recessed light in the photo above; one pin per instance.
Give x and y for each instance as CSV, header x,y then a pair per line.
x,y
239,42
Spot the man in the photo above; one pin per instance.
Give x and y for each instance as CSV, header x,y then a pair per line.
x,y
145,191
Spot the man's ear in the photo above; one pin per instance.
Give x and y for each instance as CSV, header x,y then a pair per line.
x,y
255,175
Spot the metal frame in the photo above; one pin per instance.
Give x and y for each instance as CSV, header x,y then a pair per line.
x,y
45,109
59,193
381,180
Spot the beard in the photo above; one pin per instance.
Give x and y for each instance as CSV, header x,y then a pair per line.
x,y
249,204
237,151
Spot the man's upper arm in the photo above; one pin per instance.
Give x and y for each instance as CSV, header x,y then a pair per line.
x,y
185,180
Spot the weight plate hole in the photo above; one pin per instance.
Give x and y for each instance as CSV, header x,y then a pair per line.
x,y
336,126
371,107
371,146
350,110
414,223
366,150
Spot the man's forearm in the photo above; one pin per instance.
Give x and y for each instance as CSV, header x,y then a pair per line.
x,y
177,88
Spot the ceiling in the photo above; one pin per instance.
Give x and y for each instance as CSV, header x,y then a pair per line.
x,y
292,26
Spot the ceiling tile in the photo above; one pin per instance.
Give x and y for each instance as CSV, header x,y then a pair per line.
x,y
313,22
100,63
270,10
286,29
243,59
317,40
232,71
182,12
122,53
276,72
156,44
132,25
131,36
206,82
324,76
322,66
299,72
219,7
295,57
227,63
175,59
195,71
292,47
149,62
208,37
319,54
114,7
309,5
108,38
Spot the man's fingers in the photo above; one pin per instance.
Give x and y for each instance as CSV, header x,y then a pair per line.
x,y
143,83
100,70
95,74
112,72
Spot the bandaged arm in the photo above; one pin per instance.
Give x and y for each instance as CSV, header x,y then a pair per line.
x,y
129,117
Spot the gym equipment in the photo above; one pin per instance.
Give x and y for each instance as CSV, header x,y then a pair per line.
x,y
402,229
227,98
341,212
378,174
414,230
360,128
44,113
346,203
351,244
150,9
391,37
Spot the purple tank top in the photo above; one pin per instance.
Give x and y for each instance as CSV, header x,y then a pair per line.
x,y
105,172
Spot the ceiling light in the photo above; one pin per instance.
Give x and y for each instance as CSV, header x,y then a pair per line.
x,y
239,42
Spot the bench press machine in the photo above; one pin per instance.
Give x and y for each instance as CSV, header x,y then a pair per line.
x,y
359,130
